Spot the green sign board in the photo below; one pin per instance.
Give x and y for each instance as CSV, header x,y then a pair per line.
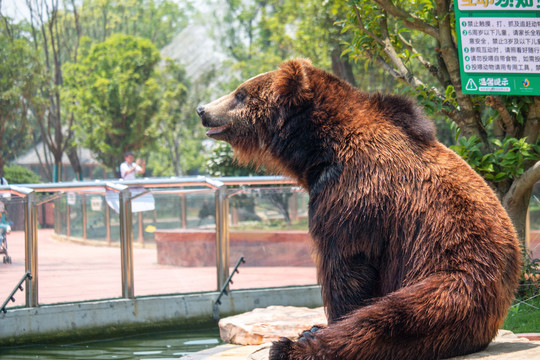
x,y
499,46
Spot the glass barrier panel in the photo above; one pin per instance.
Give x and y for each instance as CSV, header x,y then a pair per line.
x,y
534,223
12,242
269,227
177,252
78,248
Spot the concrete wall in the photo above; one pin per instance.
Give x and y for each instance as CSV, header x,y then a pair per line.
x,y
101,319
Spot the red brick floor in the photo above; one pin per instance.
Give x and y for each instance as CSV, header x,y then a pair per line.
x,y
72,272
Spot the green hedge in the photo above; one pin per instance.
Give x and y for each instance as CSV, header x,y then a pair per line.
x,y
16,174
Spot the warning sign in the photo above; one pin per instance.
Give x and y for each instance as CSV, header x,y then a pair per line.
x,y
471,85
499,46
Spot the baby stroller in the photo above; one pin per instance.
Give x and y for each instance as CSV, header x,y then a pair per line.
x,y
5,228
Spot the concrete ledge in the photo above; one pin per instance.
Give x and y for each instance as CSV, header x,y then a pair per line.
x,y
119,316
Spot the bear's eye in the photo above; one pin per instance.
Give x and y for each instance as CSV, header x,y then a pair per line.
x,y
240,95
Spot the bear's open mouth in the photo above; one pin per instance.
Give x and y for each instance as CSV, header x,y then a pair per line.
x,y
218,129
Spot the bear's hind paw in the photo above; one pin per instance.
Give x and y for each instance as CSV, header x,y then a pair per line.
x,y
280,349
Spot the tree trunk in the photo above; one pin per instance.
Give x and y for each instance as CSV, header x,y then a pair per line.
x,y
1,166
517,210
57,171
341,67
75,162
2,130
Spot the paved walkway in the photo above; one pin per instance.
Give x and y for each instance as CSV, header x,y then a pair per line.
x,y
70,272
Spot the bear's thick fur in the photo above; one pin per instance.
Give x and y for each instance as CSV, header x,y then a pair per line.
x,y
416,257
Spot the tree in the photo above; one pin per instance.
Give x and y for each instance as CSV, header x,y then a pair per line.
x,y
220,162
56,34
415,42
156,20
113,91
57,27
178,131
19,78
259,35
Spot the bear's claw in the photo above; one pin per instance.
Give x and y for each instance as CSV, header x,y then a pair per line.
x,y
308,334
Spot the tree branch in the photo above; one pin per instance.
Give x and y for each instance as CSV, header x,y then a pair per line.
x,y
428,65
521,185
532,126
364,29
410,20
443,70
506,120
387,67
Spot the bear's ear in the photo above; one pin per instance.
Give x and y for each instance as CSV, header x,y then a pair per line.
x,y
291,85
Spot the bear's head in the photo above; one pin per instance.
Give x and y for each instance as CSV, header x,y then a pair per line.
x,y
303,122
252,116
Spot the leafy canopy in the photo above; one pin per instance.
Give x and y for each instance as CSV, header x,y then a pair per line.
x,y
113,92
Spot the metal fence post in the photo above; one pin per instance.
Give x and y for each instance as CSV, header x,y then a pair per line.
x,y
84,217
107,224
222,235
126,238
126,243
30,248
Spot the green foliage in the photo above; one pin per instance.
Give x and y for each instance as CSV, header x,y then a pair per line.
x,y
220,162
261,35
114,96
16,174
505,162
414,42
366,45
156,20
178,148
19,79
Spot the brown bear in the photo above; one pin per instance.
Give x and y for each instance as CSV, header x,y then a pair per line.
x,y
416,257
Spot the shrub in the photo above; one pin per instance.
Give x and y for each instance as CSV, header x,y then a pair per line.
x,y
16,174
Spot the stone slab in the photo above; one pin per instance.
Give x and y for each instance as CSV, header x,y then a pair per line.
x,y
269,324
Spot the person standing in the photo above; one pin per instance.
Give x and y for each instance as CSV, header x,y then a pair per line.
x,y
128,169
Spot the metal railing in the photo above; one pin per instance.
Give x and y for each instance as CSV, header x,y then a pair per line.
x,y
220,185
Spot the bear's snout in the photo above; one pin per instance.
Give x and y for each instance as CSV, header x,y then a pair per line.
x,y
216,125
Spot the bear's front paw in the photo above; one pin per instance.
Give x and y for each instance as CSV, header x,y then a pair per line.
x,y
280,350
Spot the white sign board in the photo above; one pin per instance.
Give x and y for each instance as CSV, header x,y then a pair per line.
x,y
96,203
500,45
71,198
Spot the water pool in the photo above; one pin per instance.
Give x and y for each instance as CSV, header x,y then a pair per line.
x,y
156,346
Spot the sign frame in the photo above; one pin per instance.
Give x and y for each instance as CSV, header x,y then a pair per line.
x,y
470,13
